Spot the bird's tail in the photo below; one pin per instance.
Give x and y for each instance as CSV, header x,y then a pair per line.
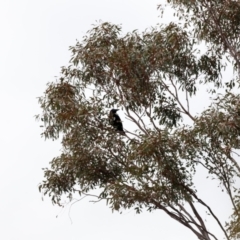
x,y
122,133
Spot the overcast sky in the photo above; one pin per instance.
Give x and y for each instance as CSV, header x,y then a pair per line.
x,y
34,42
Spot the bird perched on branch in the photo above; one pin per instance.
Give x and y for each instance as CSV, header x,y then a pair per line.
x,y
115,121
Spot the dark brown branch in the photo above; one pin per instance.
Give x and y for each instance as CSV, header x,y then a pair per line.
x,y
204,230
209,209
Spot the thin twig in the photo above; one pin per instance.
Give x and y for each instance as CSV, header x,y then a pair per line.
x,y
177,99
188,108
78,200
134,120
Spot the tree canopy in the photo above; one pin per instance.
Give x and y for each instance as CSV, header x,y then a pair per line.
x,y
153,78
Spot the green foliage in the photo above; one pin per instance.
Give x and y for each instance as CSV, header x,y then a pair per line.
x,y
216,22
153,77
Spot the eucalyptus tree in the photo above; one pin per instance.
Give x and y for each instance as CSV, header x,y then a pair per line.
x,y
153,78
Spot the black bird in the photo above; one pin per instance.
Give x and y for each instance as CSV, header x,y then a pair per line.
x,y
115,121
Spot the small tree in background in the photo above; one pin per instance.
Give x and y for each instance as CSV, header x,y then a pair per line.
x,y
152,77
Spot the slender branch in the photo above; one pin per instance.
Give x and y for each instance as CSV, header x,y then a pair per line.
x,y
201,227
134,120
177,99
235,163
185,217
209,209
150,117
179,219
188,108
140,119
188,214
236,154
227,186
131,133
204,230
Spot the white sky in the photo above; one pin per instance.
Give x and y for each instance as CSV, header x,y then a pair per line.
x,y
35,36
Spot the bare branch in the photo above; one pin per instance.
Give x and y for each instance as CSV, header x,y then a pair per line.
x,y
135,121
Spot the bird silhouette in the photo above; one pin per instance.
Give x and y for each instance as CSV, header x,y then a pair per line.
x,y
115,121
